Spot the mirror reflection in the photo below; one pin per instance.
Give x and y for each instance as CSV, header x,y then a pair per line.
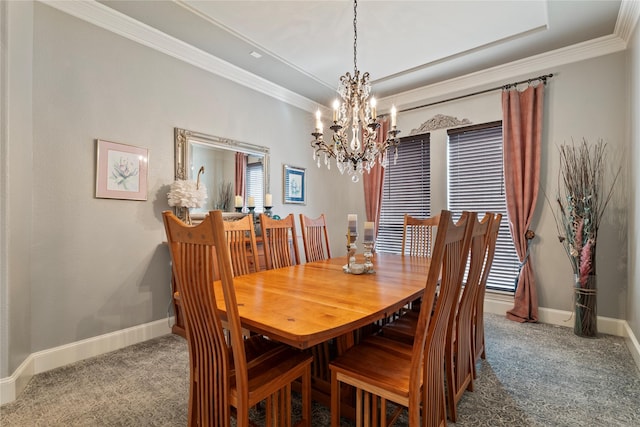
x,y
231,168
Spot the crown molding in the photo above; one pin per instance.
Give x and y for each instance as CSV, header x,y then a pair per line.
x,y
628,17
118,23
503,73
125,26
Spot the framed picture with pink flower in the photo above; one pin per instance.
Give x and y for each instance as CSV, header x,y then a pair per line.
x,y
121,171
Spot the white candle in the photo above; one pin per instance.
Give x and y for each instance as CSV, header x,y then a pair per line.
x,y
318,122
252,202
238,201
353,223
268,200
336,106
393,116
368,231
373,109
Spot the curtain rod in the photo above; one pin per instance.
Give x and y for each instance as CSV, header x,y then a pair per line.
x,y
543,79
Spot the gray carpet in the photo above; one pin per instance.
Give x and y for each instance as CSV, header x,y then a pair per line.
x,y
534,375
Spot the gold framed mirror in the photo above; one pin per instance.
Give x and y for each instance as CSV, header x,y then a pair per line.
x,y
194,150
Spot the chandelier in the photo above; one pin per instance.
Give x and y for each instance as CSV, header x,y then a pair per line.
x,y
354,145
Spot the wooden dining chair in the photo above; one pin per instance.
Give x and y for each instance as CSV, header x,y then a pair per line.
x,y
418,235
241,240
228,377
459,365
411,375
479,349
315,238
280,241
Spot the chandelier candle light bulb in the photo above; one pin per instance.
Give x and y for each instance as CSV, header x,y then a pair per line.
x,y
318,121
373,109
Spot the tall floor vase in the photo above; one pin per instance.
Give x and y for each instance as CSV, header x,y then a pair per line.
x,y
586,316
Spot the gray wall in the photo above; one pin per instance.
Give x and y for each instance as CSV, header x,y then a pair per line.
x,y
633,299
17,184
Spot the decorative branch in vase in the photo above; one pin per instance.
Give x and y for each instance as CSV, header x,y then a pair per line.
x,y
581,202
225,196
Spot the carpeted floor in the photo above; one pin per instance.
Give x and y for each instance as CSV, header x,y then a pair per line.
x,y
534,375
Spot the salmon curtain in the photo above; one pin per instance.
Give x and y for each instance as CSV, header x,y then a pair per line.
x,y
522,135
241,173
372,183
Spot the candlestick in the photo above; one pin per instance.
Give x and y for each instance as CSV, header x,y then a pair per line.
x,y
351,250
368,255
268,199
369,227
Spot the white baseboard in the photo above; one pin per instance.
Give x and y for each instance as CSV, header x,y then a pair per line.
x,y
500,304
45,360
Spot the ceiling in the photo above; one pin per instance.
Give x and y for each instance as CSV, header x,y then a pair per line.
x,y
305,46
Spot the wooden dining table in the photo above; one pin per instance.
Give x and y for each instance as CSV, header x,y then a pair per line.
x,y
307,304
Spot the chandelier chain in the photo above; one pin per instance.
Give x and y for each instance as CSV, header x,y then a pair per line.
x,y
355,36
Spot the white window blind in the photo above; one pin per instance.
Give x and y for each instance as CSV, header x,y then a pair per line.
x,y
255,184
406,189
476,183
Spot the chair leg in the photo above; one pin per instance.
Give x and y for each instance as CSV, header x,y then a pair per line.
x,y
269,410
335,400
306,396
359,407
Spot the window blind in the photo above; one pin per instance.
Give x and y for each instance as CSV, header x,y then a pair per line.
x,y
476,183
255,184
406,189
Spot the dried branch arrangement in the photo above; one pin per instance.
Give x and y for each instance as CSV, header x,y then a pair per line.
x,y
225,196
582,200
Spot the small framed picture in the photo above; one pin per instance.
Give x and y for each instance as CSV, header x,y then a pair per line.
x,y
295,185
121,171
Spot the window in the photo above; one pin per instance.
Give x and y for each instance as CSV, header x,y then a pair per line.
x,y
406,189
255,183
476,183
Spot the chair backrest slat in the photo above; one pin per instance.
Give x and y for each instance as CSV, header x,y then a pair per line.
x,y
315,238
241,238
280,241
418,235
